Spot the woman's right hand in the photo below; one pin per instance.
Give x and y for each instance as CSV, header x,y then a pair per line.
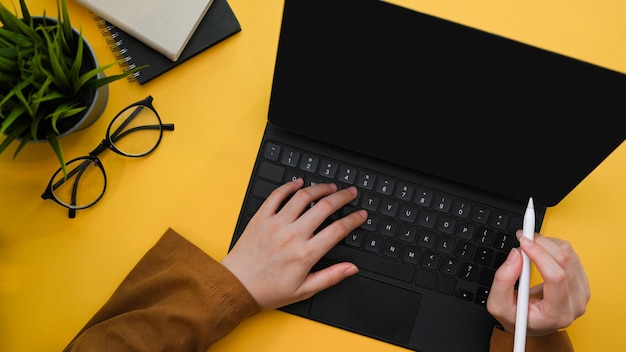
x,y
555,303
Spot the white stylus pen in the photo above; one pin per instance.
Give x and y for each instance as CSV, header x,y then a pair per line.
x,y
521,319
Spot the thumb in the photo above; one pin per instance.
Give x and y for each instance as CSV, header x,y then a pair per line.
x,y
325,278
502,301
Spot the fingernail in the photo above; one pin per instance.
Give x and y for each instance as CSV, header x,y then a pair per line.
x,y
526,242
513,257
351,270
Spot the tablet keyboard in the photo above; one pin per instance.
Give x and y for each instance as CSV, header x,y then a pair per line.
x,y
413,234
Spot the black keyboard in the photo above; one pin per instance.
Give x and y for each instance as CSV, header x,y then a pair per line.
x,y
414,235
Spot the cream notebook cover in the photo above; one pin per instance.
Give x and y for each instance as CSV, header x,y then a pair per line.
x,y
164,25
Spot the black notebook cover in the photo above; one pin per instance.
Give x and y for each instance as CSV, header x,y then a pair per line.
x,y
218,24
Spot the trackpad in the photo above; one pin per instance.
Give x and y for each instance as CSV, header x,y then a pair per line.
x,y
368,307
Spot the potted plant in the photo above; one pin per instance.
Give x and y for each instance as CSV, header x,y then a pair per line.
x,y
50,81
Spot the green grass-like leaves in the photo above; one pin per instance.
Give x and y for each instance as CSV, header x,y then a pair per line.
x,y
43,79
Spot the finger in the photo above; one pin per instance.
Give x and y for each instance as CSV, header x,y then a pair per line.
x,y
303,199
555,281
550,244
326,206
576,281
325,278
271,205
502,299
335,232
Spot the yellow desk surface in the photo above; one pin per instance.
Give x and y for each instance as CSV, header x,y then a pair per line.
x,y
56,272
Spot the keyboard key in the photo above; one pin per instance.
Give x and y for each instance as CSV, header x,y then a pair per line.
x,y
355,239
469,271
426,238
392,249
408,213
423,197
407,233
373,243
389,207
370,201
371,224
271,172
465,230
499,259
485,236
426,218
328,169
347,174
450,266
366,180
464,295
445,224
460,208
385,186
480,300
404,191
482,291
445,244
312,180
499,220
309,163
479,214
411,254
290,157
263,189
430,260
442,203
388,227
272,151
485,276
483,256
293,174
515,224
464,250
505,242
426,279
446,285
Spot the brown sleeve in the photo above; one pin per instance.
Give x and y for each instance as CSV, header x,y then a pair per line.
x,y
177,298
502,341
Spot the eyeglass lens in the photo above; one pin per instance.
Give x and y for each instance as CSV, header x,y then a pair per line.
x,y
136,131
84,185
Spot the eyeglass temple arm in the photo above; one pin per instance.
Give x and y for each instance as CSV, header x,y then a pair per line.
x,y
81,168
165,127
127,121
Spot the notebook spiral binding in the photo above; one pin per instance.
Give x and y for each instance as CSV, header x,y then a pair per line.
x,y
116,45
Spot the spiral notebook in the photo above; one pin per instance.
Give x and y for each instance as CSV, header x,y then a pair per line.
x,y
164,25
217,24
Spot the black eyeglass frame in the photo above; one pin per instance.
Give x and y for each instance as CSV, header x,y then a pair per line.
x,y
107,143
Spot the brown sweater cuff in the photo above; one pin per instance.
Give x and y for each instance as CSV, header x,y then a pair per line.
x,y
502,341
176,298
223,283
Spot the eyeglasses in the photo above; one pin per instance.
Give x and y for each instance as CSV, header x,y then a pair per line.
x,y
84,181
